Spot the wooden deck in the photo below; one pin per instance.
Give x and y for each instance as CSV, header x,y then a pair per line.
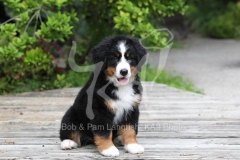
x,y
174,124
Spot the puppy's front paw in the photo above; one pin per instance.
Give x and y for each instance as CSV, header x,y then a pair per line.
x,y
110,152
134,148
68,144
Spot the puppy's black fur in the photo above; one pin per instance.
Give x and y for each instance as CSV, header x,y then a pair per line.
x,y
76,120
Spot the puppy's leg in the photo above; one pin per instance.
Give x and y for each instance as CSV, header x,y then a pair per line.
x,y
72,142
105,144
128,135
69,133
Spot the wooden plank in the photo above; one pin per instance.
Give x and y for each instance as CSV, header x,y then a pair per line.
x,y
161,133
47,151
147,115
163,142
143,107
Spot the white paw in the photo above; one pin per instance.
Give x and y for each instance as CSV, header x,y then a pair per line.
x,y
68,144
110,152
134,148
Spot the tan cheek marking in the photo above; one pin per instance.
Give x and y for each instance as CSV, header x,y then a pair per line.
x,y
110,71
128,134
103,143
76,137
108,104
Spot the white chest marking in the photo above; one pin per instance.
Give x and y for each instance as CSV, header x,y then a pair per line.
x,y
125,102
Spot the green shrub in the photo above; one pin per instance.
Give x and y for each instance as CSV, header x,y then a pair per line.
x,y
99,19
22,59
38,63
21,54
222,26
215,18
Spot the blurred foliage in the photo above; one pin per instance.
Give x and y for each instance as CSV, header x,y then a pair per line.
x,y
177,81
214,18
21,54
54,82
85,21
99,19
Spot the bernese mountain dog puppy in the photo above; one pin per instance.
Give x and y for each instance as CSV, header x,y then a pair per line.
x,y
107,106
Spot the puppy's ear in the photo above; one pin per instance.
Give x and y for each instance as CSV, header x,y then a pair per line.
x,y
142,54
98,54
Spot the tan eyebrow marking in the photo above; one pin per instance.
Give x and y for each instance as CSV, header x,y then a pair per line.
x,y
117,54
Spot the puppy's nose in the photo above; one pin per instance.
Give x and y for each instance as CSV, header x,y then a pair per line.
x,y
123,72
